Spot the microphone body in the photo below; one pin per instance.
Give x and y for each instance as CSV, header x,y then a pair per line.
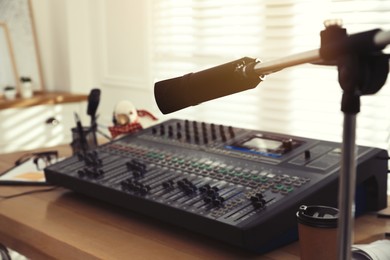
x,y
194,88
246,73
93,103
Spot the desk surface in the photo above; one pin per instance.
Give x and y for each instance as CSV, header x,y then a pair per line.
x,y
66,225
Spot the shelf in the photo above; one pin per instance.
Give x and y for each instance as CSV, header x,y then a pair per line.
x,y
43,98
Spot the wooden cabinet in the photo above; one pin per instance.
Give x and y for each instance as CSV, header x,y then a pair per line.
x,y
42,121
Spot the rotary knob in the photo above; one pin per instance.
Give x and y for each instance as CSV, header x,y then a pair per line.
x,y
287,144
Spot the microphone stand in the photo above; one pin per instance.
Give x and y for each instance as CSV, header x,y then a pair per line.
x,y
362,70
93,129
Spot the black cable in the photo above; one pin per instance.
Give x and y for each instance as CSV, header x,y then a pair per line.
x,y
4,253
23,183
103,134
28,192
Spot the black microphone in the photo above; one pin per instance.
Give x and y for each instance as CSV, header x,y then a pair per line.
x,y
194,88
93,103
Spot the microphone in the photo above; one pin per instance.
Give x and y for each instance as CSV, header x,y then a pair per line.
x,y
194,88
93,103
246,73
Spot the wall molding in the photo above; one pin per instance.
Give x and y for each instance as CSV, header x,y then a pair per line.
x,y
123,73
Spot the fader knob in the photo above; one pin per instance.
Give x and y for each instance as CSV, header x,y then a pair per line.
x,y
231,132
221,130
168,184
218,201
212,192
288,144
81,172
91,159
307,155
162,129
170,131
258,200
145,189
205,188
259,204
207,199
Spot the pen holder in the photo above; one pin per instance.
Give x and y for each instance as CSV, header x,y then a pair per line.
x,y
88,140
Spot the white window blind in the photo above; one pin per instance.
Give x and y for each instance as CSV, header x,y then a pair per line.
x,y
191,35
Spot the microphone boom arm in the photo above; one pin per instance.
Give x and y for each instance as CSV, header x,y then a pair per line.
x,y
263,69
374,41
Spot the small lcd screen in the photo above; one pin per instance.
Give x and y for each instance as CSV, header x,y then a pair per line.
x,y
261,144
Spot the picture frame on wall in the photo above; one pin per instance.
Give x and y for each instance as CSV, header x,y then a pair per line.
x,y
9,77
18,17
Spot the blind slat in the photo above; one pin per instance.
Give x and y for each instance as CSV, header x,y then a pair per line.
x,y
191,35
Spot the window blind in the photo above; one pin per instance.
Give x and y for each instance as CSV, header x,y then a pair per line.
x,y
191,35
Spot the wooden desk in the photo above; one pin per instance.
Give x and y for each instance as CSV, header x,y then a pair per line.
x,y
63,224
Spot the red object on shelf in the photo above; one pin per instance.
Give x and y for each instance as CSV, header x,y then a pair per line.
x,y
130,128
124,129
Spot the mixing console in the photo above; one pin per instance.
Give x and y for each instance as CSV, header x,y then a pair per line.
x,y
237,185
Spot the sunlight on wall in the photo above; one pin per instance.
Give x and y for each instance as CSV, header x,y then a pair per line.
x,y
26,129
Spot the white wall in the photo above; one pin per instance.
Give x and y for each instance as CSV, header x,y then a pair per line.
x,y
102,44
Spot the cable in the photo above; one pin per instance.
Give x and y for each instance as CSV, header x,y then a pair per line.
x,y
28,192
4,253
23,183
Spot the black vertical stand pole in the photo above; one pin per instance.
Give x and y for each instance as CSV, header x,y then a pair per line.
x,y
93,131
359,74
347,182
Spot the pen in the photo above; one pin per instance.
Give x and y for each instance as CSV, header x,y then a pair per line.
x,y
80,131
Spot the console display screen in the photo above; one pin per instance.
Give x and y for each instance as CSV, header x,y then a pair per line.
x,y
267,145
262,144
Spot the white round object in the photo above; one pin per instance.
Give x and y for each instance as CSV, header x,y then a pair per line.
x,y
125,113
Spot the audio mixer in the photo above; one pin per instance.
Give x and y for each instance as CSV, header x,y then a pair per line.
x,y
237,185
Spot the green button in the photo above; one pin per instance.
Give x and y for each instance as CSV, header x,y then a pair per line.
x,y
222,170
238,174
247,176
255,177
263,179
279,186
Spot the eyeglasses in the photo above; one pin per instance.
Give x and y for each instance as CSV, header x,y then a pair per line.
x,y
41,159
